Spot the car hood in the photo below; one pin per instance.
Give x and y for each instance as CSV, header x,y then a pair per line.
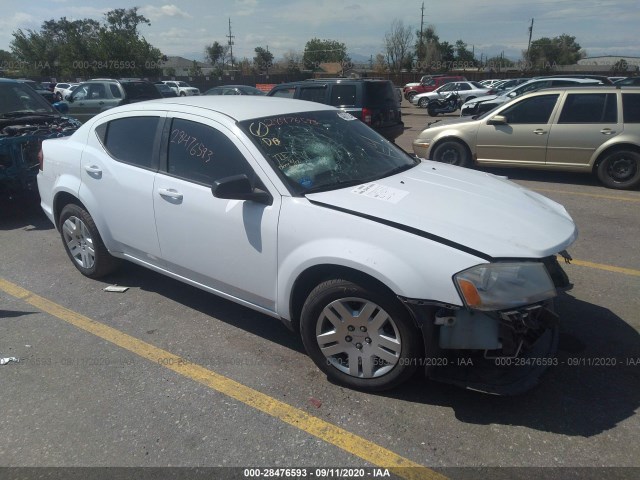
x,y
472,211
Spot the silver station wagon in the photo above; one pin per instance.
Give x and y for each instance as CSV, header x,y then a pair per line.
x,y
581,129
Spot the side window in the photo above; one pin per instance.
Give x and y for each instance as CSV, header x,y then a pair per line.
x,y
203,154
115,91
285,92
137,148
313,94
464,86
589,108
343,95
631,107
97,92
531,110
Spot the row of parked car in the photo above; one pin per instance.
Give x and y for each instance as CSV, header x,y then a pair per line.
x,y
474,98
374,102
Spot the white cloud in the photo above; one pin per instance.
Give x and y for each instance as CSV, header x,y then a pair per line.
x,y
155,13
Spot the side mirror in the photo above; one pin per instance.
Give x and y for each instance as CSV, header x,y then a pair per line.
x,y
69,98
497,120
61,107
238,187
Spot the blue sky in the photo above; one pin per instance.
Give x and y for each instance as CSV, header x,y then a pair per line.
x,y
184,27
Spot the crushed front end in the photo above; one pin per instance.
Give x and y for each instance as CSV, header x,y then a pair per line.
x,y
20,141
501,351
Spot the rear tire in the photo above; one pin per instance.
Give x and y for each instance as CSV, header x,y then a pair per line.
x,y
620,169
83,243
431,112
359,336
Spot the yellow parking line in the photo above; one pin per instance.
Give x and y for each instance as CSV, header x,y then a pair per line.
x,y
347,441
594,195
601,266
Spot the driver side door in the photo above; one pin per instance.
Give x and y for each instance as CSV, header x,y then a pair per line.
x,y
227,246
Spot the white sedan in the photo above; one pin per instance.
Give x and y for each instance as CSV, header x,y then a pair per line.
x,y
466,90
383,262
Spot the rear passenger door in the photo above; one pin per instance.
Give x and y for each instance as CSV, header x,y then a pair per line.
x,y
118,169
586,121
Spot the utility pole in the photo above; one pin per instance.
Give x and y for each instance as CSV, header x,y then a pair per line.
x,y
529,44
230,37
421,25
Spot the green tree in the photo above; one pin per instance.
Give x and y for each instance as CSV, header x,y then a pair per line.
x,y
263,60
463,54
318,51
194,70
216,54
87,48
562,50
423,44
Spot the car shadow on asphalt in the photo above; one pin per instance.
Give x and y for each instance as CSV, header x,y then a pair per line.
x,y
269,328
23,211
546,176
587,393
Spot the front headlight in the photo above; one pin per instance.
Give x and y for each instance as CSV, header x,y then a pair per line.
x,y
498,286
470,105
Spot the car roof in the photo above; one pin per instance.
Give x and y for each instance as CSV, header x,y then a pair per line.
x,y
237,107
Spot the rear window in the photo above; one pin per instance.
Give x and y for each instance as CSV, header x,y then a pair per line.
x,y
314,94
631,107
137,91
589,108
285,92
379,93
343,96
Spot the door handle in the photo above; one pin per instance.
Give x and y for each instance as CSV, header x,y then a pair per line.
x,y
170,193
539,131
93,169
607,131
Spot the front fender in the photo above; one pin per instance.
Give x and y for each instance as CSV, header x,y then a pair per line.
x,y
409,265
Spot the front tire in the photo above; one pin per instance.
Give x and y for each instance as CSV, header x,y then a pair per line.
x,y
423,102
182,94
359,336
451,152
83,243
620,169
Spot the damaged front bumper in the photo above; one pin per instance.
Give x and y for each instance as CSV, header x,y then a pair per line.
x,y
499,352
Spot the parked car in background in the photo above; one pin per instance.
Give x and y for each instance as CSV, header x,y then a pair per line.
x,y
234,90
182,89
489,82
303,213
504,85
26,118
61,90
480,105
429,84
38,88
628,81
585,129
466,91
372,101
95,96
165,90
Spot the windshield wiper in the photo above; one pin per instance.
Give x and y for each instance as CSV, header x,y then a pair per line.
x,y
398,169
335,186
